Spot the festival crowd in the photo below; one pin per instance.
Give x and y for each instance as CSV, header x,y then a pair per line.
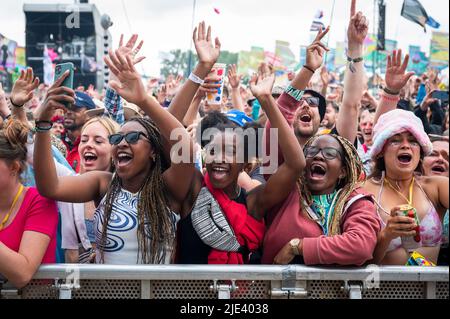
x,y
315,173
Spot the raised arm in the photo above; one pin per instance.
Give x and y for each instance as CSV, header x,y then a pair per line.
x,y
281,183
22,93
208,53
129,86
235,82
89,186
396,79
347,123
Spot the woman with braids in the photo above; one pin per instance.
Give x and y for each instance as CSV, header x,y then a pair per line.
x,y
400,145
27,220
222,223
134,220
328,219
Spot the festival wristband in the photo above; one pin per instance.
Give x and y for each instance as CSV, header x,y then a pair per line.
x,y
14,104
352,63
309,69
295,93
43,126
390,92
195,79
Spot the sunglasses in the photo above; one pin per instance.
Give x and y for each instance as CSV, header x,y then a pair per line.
x,y
311,101
328,153
130,138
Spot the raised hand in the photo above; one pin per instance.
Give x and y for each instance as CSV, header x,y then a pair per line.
x,y
128,84
358,28
316,51
207,52
396,76
55,99
233,77
23,89
129,49
261,84
325,76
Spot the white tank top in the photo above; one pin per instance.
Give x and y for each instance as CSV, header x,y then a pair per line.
x,y
121,246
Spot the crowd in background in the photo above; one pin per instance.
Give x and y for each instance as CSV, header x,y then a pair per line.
x,y
360,178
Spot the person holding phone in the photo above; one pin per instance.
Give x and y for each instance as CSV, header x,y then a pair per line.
x,y
399,146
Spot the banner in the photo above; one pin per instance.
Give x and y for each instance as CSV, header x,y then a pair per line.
x,y
249,61
418,62
282,50
439,50
21,61
340,58
7,53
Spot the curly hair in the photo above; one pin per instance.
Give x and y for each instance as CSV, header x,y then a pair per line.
x,y
13,140
354,171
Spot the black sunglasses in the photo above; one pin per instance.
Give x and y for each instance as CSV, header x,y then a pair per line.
x,y
130,138
311,101
328,153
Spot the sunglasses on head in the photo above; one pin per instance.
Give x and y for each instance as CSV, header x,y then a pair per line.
x,y
311,101
130,138
328,153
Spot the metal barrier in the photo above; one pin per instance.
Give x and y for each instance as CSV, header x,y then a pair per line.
x,y
67,281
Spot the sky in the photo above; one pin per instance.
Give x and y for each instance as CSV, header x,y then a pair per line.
x,y
241,24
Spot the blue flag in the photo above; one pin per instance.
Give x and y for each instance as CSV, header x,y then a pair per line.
x,y
415,12
433,23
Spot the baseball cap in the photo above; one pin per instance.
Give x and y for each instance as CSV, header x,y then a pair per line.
x,y
82,100
238,117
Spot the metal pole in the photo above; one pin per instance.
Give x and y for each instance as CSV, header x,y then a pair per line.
x,y
190,45
331,23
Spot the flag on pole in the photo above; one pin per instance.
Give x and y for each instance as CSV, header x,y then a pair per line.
x,y
317,23
49,71
415,12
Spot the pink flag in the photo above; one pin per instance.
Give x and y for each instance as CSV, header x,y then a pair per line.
x,y
216,10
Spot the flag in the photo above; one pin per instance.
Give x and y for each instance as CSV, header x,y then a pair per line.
x,y
415,12
317,23
433,23
284,52
48,67
439,52
216,10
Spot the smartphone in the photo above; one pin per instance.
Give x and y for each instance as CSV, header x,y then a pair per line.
x,y
60,69
440,95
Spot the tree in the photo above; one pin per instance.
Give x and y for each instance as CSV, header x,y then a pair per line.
x,y
178,62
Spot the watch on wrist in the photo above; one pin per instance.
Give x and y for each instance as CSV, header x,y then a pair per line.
x,y
294,246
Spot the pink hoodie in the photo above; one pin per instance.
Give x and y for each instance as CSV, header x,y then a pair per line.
x,y
359,226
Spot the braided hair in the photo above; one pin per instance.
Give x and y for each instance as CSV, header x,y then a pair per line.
x,y
155,231
354,171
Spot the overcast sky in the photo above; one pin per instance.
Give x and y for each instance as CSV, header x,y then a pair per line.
x,y
166,24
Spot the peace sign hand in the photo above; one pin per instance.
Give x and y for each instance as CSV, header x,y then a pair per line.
x,y
316,51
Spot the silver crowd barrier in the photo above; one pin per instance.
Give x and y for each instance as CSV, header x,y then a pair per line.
x,y
67,281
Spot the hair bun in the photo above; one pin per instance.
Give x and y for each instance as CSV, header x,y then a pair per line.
x,y
16,133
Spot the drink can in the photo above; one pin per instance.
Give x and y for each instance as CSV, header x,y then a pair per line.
x,y
220,71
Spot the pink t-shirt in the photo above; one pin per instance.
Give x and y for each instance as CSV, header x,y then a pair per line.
x,y
36,214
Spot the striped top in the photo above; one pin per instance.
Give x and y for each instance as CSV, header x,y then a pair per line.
x,y
121,246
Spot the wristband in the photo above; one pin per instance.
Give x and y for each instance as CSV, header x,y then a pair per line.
x,y
195,79
295,93
390,92
14,104
7,117
352,63
309,69
43,126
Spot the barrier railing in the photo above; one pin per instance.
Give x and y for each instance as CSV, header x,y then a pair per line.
x,y
67,281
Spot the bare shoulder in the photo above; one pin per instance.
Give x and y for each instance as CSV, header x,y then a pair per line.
x,y
433,181
371,186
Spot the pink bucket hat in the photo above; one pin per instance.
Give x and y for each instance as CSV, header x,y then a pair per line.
x,y
396,122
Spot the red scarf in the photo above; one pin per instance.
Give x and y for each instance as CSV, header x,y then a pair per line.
x,y
248,231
